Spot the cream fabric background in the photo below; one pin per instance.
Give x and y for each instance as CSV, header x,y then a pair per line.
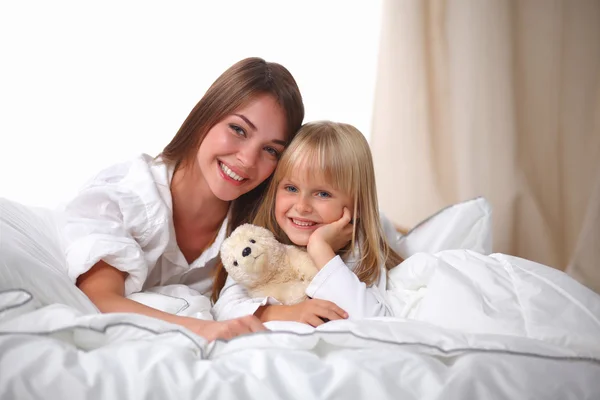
x,y
500,99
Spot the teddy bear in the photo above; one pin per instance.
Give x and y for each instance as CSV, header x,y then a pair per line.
x,y
266,267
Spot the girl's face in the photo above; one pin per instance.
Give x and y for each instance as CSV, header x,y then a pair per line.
x,y
242,150
302,205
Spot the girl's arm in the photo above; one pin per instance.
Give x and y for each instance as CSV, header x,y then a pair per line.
x,y
335,282
313,312
105,286
234,302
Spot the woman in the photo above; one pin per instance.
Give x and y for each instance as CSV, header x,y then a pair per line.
x,y
160,221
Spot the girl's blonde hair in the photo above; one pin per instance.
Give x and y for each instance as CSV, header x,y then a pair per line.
x,y
340,154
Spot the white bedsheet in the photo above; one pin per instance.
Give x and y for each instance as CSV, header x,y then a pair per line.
x,y
131,357
493,327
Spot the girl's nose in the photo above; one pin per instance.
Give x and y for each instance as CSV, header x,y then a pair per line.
x,y
303,206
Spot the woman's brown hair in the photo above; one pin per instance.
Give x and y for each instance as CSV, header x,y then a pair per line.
x,y
236,87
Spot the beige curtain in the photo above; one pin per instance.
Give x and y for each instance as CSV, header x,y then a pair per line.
x,y
500,99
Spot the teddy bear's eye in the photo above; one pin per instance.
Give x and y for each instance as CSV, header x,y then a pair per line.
x,y
252,241
235,263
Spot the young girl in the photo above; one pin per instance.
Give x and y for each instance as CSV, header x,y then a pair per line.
x,y
160,221
323,197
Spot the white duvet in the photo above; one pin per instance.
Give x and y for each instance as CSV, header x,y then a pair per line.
x,y
472,326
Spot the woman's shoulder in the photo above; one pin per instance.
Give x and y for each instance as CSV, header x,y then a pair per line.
x,y
140,169
140,183
136,192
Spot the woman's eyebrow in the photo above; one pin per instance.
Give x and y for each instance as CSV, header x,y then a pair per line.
x,y
252,126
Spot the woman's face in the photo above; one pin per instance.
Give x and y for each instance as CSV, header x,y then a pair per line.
x,y
243,149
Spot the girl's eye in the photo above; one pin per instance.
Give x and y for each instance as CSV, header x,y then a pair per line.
x,y
290,188
323,195
238,130
272,152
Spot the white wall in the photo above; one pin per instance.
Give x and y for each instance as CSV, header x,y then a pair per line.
x,y
87,84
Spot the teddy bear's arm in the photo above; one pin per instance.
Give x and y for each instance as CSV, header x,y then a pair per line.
x,y
301,263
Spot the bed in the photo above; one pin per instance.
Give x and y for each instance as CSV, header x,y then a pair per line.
x,y
468,325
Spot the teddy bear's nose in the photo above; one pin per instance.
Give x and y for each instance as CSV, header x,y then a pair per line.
x,y
246,252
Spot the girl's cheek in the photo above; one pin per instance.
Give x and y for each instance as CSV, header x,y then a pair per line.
x,y
278,199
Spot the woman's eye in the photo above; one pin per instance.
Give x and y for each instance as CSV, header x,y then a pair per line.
x,y
272,152
238,130
324,195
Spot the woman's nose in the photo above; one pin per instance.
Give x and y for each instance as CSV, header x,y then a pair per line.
x,y
248,156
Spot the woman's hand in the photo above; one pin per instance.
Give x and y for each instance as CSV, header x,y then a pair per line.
x,y
325,241
212,330
312,311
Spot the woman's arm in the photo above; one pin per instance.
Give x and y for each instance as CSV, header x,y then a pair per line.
x,y
105,286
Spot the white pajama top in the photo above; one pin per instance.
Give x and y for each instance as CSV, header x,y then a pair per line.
x,y
124,216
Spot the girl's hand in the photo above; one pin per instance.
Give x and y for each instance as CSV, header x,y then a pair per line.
x,y
312,311
325,241
228,329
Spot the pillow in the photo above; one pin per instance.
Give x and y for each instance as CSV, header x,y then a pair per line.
x,y
32,257
466,225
